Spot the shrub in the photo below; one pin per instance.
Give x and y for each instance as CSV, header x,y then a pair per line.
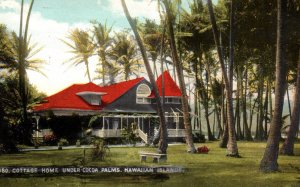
x,y
100,149
63,142
198,138
129,134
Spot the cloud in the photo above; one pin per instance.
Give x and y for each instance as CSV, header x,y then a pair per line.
x,y
9,5
48,34
137,8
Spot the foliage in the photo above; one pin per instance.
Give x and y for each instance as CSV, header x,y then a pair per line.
x,y
99,150
199,138
8,143
63,142
124,53
69,127
129,134
82,47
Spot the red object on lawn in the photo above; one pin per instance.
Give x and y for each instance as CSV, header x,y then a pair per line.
x,y
203,149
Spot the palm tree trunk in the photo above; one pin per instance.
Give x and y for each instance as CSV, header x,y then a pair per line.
x,y
86,62
247,130
232,148
288,146
269,160
179,70
163,144
104,66
214,99
22,71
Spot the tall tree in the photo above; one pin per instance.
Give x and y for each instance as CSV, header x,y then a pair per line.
x,y
21,59
82,48
232,148
288,146
125,54
103,42
163,145
179,70
269,160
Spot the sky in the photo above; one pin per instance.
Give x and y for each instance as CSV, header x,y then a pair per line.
x,y
52,20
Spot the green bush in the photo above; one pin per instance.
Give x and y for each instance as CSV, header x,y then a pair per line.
x,y
63,142
129,135
100,149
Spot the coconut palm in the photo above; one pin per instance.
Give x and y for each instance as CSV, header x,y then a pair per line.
x,y
82,48
163,145
288,146
269,160
125,54
103,42
169,7
232,148
152,37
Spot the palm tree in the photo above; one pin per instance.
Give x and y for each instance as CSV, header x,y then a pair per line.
x,y
152,37
103,42
232,148
163,145
288,146
179,70
82,48
269,160
21,66
125,54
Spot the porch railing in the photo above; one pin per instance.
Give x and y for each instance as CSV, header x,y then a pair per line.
x,y
107,133
143,135
176,132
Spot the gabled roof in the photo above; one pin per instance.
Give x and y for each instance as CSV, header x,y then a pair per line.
x,y
69,98
171,89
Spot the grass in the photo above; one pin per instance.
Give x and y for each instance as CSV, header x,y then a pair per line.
x,y
212,169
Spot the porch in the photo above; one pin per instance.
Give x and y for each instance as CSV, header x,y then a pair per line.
x,y
145,125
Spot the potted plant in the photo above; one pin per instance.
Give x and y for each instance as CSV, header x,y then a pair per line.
x,y
78,143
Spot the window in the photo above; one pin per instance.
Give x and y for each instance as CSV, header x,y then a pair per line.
x,y
143,100
172,100
143,90
93,98
142,93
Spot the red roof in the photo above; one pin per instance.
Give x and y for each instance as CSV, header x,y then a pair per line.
x,y
68,98
171,88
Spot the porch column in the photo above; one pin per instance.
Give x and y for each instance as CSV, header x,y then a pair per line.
x,y
121,123
103,121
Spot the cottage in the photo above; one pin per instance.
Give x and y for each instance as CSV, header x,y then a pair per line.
x,y
120,105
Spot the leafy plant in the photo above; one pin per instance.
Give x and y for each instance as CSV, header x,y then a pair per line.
x,y
100,150
129,134
63,142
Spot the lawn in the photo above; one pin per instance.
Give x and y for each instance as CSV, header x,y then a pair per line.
x,y
212,169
